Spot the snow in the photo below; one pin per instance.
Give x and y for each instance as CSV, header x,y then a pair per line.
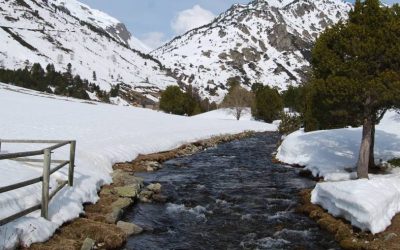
x,y
332,154
367,204
226,114
105,134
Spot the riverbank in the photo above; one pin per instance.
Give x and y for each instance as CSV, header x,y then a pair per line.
x,y
100,225
347,236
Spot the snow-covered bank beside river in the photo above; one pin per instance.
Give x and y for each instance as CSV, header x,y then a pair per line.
x,y
105,134
332,154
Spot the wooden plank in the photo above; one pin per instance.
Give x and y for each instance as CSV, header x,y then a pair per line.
x,y
32,141
20,185
63,164
46,184
19,215
58,189
59,145
20,154
71,163
35,160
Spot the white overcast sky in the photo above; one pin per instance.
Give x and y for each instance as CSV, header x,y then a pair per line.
x,y
157,21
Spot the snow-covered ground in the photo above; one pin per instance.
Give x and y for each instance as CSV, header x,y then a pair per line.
x,y
332,154
105,134
226,114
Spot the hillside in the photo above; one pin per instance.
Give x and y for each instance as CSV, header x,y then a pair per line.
x,y
61,32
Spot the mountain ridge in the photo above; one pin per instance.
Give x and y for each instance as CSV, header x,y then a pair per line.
x,y
263,41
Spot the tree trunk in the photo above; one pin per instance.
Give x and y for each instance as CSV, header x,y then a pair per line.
x,y
364,156
238,113
371,164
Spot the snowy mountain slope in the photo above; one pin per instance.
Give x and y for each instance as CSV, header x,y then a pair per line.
x,y
105,134
264,41
104,21
36,31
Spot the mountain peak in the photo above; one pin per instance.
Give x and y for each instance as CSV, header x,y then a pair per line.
x,y
265,41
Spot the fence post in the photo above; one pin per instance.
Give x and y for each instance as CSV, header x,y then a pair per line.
x,y
71,163
46,184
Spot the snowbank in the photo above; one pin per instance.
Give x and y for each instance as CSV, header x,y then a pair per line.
x,y
105,134
367,204
332,154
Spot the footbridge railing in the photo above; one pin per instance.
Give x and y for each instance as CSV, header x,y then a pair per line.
x,y
47,172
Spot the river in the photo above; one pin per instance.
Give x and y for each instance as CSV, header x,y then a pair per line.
x,y
228,197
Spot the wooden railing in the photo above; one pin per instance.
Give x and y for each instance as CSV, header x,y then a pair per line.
x,y
47,172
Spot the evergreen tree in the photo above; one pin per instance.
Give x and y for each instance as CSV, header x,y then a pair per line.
x,y
267,103
356,74
172,100
293,98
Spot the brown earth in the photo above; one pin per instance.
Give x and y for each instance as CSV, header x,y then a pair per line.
x,y
348,236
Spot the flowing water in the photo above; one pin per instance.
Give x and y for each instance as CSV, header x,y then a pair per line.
x,y
228,197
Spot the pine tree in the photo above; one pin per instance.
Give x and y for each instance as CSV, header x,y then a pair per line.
x,y
172,100
267,103
356,74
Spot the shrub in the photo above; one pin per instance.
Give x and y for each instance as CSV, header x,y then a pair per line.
x,y
289,123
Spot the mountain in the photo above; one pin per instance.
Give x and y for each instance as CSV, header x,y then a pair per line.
x,y
66,31
264,41
98,18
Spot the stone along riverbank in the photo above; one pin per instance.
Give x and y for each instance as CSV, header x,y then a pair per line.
x,y
100,227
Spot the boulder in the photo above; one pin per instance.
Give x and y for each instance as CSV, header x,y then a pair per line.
x,y
129,228
154,187
122,203
114,216
159,198
129,191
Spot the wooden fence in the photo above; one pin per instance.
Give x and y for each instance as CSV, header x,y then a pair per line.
x,y
47,172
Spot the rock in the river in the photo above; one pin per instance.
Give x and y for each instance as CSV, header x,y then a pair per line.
x,y
88,244
129,228
159,198
154,187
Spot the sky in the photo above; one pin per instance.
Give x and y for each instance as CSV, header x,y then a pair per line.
x,y
155,22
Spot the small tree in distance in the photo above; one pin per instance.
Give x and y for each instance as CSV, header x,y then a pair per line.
x,y
237,100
